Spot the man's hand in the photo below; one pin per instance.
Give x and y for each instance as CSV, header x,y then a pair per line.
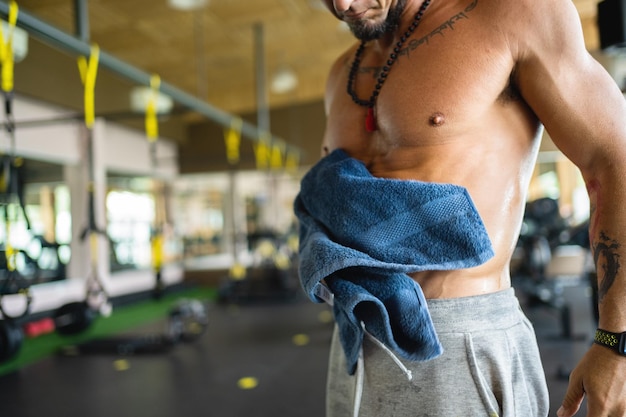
x,y
601,376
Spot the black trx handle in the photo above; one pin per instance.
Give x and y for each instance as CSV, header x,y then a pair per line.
x,y
8,111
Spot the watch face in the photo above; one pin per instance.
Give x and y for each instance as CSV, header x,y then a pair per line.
x,y
621,348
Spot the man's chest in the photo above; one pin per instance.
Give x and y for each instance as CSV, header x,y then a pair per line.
x,y
426,99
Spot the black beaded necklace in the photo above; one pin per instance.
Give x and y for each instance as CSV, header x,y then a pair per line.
x,y
370,120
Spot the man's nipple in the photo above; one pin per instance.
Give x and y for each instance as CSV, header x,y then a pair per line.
x,y
437,119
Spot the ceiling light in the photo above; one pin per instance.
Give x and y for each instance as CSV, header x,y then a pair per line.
x,y
19,43
284,81
140,95
187,4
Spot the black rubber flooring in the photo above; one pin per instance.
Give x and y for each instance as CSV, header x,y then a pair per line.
x,y
264,360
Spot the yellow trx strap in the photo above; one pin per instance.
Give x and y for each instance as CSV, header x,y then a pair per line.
x,y
276,156
232,140
6,49
292,160
262,151
157,251
93,250
7,62
152,125
9,251
88,72
152,133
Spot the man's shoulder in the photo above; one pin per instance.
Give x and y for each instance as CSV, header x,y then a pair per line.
x,y
532,25
524,13
523,5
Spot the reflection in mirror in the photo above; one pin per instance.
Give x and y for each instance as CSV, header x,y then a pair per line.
x,y
223,217
200,203
35,224
138,228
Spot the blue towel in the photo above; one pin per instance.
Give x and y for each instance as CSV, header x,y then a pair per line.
x,y
362,235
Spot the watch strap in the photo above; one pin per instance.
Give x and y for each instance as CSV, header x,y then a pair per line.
x,y
613,341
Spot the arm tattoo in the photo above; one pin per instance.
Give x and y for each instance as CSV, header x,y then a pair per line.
x,y
606,248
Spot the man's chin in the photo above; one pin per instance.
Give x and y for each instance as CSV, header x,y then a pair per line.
x,y
367,31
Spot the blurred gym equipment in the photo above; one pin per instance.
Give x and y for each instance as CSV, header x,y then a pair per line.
x,y
550,256
186,322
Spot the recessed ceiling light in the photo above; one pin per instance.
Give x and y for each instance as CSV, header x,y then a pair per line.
x,y
19,43
187,4
140,95
284,81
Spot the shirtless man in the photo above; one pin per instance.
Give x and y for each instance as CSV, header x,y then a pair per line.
x,y
463,102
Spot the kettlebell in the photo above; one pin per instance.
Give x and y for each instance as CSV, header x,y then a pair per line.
x,y
73,318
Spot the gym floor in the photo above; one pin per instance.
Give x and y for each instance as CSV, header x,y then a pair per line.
x,y
258,360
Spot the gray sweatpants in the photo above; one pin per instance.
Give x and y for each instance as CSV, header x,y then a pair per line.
x,y
490,367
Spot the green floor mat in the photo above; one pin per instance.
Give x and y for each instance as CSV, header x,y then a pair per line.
x,y
123,319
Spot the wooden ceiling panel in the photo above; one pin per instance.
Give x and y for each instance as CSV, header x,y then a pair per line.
x,y
168,30
105,18
212,47
239,14
136,8
59,13
121,41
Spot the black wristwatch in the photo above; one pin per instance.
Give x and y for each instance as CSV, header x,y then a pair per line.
x,y
614,341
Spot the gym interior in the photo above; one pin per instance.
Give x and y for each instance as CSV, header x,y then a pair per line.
x,y
151,152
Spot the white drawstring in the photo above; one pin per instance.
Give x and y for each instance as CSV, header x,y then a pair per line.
x,y
360,370
323,292
358,389
407,372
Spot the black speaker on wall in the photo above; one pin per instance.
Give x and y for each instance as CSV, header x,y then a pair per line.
x,y
612,24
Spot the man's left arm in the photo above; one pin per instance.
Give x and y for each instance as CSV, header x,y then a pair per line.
x,y
584,112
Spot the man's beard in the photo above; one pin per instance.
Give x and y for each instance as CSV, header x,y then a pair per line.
x,y
366,31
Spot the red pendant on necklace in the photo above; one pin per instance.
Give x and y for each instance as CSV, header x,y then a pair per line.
x,y
370,120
